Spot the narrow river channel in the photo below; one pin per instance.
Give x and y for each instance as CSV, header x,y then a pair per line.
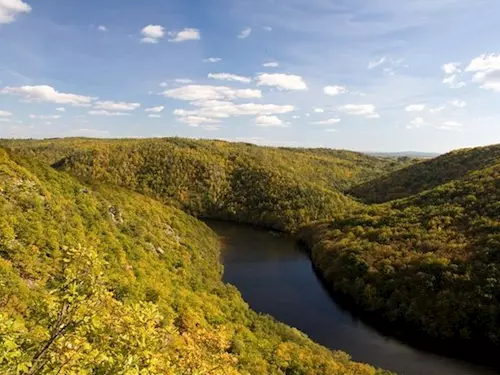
x,y
275,277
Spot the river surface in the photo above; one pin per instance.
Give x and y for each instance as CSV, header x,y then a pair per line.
x,y
275,276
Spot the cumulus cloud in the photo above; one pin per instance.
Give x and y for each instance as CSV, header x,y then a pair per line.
x,y
458,103
116,106
487,71
218,109
212,60
416,123
451,68
453,82
207,92
281,81
269,121
197,120
152,34
366,110
5,113
330,121
102,28
437,109
229,77
450,125
44,117
272,64
415,108
47,94
334,90
155,109
10,9
318,110
245,33
107,113
185,35
61,109
154,116
268,28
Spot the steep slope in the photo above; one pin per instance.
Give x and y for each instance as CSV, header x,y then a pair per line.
x,y
430,262
101,280
427,174
277,188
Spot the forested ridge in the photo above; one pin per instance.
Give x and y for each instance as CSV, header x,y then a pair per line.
x,y
278,188
431,261
96,279
414,243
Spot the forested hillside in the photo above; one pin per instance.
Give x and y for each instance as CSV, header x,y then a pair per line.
x,y
275,187
426,174
430,262
101,280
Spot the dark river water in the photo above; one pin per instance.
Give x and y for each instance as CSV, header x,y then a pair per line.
x,y
275,276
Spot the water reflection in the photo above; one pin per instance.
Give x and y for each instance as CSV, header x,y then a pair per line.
x,y
275,277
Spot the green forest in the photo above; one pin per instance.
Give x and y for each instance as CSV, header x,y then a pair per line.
x,y
105,269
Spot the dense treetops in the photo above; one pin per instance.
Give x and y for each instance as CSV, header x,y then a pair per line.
x,y
427,174
430,261
279,188
100,280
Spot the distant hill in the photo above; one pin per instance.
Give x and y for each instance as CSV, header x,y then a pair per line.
x,y
427,174
410,154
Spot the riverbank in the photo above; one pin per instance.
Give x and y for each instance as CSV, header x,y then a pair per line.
x,y
397,328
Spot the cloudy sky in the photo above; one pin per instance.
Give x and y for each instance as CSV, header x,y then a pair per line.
x,y
370,75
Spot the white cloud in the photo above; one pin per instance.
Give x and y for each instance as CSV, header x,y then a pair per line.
x,y
183,80
487,71
154,116
416,123
373,64
269,121
207,92
272,64
197,120
185,35
152,34
367,110
450,125
453,82
229,77
45,117
331,130
217,109
245,33
9,9
212,60
437,109
116,106
155,109
330,121
48,94
318,110
281,81
268,28
107,113
5,114
458,103
61,109
295,117
334,90
415,108
102,28
451,68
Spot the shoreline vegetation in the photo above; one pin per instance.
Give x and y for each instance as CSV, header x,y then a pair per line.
x,y
413,243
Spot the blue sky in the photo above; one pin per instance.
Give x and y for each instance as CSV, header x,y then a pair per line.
x,y
369,75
